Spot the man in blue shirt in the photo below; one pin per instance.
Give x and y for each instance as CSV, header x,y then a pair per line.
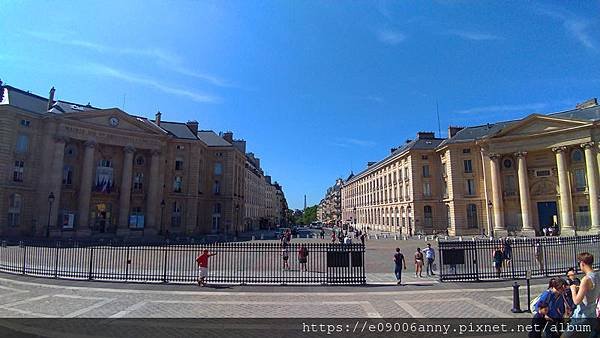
x,y
430,256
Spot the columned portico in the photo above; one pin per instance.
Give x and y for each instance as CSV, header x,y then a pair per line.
x,y
567,225
592,180
524,196
497,203
56,180
125,193
85,191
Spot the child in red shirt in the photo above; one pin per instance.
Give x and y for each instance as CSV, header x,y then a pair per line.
x,y
202,261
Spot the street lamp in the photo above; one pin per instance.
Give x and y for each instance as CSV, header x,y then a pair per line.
x,y
162,211
50,201
489,218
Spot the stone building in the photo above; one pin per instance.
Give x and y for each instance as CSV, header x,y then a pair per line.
x,y
75,170
510,177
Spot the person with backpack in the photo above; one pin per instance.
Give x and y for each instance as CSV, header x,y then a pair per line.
x,y
557,308
303,257
586,295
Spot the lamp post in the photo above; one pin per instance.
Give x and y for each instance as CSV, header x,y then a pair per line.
x,y
354,212
50,201
162,211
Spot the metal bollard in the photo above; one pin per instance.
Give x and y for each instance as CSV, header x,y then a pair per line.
x,y
516,302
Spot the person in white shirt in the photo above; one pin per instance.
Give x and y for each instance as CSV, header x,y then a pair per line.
x,y
430,256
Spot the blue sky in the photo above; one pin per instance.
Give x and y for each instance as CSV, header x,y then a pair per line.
x,y
316,88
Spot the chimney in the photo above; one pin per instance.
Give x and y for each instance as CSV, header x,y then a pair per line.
x,y
370,163
408,140
453,130
51,99
268,179
228,136
425,135
157,118
392,150
193,125
593,102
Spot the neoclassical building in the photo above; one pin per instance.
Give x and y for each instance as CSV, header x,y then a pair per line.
x,y
512,177
75,170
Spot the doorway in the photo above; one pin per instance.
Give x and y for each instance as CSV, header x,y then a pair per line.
x,y
547,212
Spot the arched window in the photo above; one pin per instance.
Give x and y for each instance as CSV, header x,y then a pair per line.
x,y
427,216
472,216
67,175
139,160
15,202
176,215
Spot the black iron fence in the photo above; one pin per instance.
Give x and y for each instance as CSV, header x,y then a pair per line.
x,y
536,257
235,263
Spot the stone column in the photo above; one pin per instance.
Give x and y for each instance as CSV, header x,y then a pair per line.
x,y
85,190
498,207
566,203
592,180
527,229
153,200
55,177
125,193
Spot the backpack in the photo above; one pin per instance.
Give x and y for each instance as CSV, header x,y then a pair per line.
x,y
536,300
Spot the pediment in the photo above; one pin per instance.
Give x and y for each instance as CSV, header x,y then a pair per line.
x,y
114,118
538,124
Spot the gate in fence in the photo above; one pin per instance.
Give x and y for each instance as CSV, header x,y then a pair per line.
x,y
235,263
543,256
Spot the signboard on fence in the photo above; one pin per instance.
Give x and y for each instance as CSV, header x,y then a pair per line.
x,y
453,256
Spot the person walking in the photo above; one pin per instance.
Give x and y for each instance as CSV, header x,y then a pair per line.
x,y
202,261
362,238
347,240
539,256
430,256
333,239
497,259
322,233
399,264
303,257
285,255
586,296
418,263
507,252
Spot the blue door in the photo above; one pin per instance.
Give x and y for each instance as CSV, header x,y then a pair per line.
x,y
546,213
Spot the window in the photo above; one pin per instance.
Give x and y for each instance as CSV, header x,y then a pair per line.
x,y
136,219
179,163
217,188
22,143
580,183
104,177
219,154
138,181
427,216
577,155
426,170
470,185
217,208
406,174
472,216
218,169
176,215
510,187
444,170
177,184
139,160
18,171
423,157
542,173
180,147
466,150
71,150
25,123
67,175
427,189
507,163
445,189
14,210
583,217
468,166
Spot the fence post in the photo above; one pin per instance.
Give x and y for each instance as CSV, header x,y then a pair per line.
x,y
24,256
127,265
91,262
56,262
476,262
575,264
165,265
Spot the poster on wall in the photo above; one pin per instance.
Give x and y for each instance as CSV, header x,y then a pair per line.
x,y
67,221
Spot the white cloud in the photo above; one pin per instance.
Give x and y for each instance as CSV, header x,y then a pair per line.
x,y
390,37
503,108
103,70
162,57
474,36
575,26
347,142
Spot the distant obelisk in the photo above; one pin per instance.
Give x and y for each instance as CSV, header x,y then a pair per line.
x,y
304,202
